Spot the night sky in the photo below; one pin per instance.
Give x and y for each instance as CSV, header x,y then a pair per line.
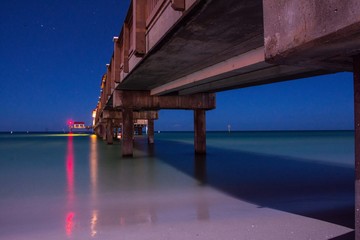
x,y
54,53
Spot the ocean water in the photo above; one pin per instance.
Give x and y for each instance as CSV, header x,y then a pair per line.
x,y
249,185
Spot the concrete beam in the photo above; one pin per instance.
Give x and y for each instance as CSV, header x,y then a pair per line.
x,y
312,33
142,100
269,74
136,115
112,114
242,63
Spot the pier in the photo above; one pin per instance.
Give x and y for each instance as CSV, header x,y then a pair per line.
x,y
176,54
76,125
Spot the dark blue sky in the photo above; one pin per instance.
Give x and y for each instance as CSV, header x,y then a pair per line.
x,y
53,54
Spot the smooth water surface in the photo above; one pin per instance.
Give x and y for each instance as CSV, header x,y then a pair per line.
x,y
250,185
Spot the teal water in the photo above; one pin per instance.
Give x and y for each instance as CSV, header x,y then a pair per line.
x,y
77,187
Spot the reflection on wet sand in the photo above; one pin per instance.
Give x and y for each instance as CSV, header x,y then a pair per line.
x,y
69,223
357,207
200,174
93,223
200,168
69,219
93,162
151,195
70,169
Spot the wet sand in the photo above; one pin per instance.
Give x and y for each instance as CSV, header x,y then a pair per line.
x,y
88,192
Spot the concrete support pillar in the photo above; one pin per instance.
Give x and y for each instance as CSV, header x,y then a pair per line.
x,y
96,131
115,133
128,132
139,131
109,132
356,61
103,132
200,131
150,131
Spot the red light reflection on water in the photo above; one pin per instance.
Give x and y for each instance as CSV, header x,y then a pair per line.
x,y
69,223
69,165
70,168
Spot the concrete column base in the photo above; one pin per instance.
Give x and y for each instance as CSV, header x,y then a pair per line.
x,y
200,131
128,133
109,132
150,131
139,131
103,132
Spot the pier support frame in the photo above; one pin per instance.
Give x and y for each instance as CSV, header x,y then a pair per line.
x,y
356,62
128,132
144,101
150,131
200,131
109,132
